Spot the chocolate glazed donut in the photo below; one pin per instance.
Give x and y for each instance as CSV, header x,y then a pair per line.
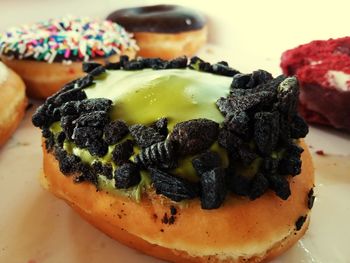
x,y
158,19
165,31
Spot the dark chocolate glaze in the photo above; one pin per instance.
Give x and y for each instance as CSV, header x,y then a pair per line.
x,y
158,19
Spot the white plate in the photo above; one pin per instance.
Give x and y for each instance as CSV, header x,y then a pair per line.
x,y
35,227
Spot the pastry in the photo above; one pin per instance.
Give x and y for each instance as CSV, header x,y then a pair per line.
x,y
13,102
192,162
323,69
164,31
50,53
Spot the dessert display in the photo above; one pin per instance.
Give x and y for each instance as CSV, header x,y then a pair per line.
x,y
50,53
323,70
164,31
185,161
13,102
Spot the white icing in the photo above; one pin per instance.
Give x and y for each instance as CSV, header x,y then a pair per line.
x,y
313,63
3,73
339,80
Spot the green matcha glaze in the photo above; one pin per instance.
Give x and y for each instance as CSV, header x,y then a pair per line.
x,y
133,192
85,155
55,127
141,97
103,182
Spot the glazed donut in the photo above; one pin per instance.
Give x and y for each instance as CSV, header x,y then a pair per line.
x,y
164,31
49,54
224,235
215,168
13,102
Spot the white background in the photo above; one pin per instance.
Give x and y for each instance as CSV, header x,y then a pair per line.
x,y
257,31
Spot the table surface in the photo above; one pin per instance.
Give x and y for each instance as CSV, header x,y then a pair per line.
x,y
35,227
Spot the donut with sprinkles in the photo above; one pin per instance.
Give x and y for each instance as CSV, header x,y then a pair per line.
x,y
49,53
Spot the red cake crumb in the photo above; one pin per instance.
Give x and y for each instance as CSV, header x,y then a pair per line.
x,y
322,100
320,152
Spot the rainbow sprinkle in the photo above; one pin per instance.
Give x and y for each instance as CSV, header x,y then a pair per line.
x,y
66,39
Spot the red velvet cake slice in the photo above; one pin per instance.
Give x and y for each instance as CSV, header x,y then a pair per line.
x,y
323,70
